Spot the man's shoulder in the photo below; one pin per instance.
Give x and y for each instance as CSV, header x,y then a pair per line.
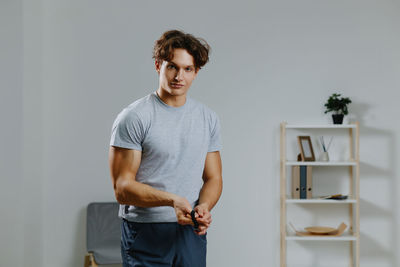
x,y
208,114
137,110
140,106
203,107
141,103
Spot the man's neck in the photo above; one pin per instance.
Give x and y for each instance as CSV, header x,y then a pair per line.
x,y
171,100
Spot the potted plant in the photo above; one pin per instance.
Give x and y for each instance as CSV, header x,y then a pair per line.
x,y
338,106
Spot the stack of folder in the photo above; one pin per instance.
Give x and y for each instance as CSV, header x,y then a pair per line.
x,y
301,182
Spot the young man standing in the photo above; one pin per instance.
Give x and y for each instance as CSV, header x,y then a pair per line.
x,y
165,162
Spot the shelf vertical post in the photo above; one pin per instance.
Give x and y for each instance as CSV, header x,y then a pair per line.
x,y
351,158
351,189
357,148
351,145
351,195
283,194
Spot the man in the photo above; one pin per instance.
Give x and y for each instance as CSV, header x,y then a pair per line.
x,y
165,162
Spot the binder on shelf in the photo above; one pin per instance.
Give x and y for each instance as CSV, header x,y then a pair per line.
x,y
295,182
309,182
301,182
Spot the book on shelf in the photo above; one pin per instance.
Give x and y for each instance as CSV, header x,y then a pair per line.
x,y
335,196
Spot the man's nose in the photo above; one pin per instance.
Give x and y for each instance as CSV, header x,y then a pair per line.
x,y
179,75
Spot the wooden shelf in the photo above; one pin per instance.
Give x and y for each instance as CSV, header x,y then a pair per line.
x,y
322,238
321,163
320,201
322,126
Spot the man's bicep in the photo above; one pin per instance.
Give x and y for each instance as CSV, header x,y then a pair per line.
x,y
212,166
124,163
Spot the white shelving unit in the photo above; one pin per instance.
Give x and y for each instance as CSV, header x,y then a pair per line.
x,y
317,163
319,201
353,201
322,238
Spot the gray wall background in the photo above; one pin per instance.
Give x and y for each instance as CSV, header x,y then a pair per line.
x,y
68,67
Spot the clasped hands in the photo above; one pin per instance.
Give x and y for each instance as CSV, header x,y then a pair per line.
x,y
183,210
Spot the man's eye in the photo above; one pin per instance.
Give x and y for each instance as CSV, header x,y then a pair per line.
x,y
188,69
171,67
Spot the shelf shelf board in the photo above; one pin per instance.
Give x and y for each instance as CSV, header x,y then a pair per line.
x,y
319,201
322,126
321,163
322,238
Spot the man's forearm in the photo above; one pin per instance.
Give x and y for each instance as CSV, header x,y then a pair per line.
x,y
210,192
142,195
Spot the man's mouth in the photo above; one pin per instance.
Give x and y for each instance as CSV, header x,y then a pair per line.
x,y
176,85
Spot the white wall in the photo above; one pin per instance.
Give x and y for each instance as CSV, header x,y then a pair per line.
x,y
272,61
11,199
33,139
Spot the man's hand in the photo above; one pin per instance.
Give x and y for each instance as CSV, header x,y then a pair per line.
x,y
182,210
203,217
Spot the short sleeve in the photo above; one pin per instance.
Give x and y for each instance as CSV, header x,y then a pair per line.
x,y
127,131
215,136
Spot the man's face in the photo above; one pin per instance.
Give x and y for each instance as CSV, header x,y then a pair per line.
x,y
177,75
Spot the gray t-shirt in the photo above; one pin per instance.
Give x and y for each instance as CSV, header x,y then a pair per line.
x,y
174,142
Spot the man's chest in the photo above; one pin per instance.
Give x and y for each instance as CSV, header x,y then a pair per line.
x,y
171,136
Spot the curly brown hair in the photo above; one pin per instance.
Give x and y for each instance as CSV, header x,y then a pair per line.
x,y
198,48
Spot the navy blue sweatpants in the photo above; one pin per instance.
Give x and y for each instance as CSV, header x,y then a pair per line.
x,y
161,245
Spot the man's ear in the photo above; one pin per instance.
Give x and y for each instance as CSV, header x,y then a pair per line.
x,y
157,64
